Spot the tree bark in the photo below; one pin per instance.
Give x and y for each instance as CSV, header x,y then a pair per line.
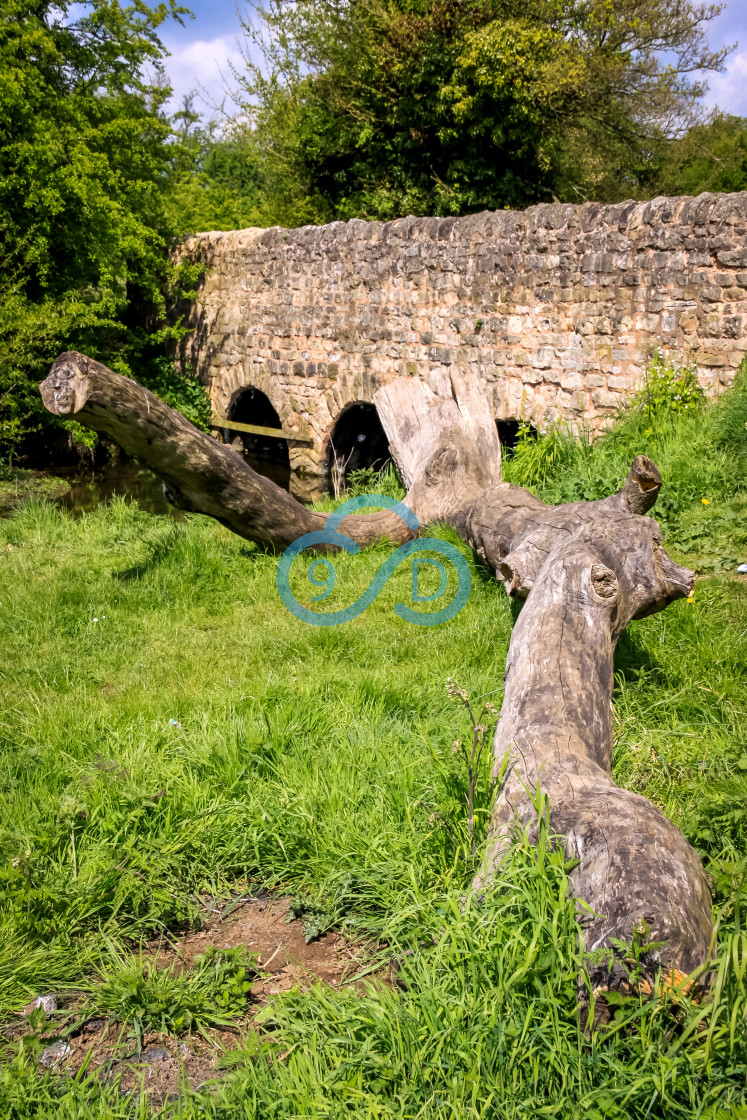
x,y
586,569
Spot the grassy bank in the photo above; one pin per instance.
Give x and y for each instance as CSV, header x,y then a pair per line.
x,y
17,486
170,730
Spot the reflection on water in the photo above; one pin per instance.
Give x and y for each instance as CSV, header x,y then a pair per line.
x,y
128,479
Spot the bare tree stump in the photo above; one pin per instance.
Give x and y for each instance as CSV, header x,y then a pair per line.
x,y
585,568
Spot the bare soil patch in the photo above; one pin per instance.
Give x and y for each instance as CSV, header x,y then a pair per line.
x,y
261,926
167,1064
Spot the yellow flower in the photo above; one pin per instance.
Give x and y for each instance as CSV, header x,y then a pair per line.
x,y
705,501
691,598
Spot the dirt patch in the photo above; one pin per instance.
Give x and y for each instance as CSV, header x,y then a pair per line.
x,y
167,1064
260,925
164,1066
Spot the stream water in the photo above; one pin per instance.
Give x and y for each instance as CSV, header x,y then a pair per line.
x,y
89,489
127,478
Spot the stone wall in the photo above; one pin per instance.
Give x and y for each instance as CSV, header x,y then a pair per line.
x,y
554,309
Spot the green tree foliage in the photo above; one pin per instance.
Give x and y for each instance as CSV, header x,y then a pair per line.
x,y
378,108
709,157
217,180
85,157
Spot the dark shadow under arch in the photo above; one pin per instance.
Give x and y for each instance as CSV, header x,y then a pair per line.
x,y
266,455
509,433
358,440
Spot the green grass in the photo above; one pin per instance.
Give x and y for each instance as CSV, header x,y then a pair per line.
x,y
169,729
146,996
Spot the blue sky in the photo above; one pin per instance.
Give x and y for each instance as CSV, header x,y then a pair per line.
x,y
201,52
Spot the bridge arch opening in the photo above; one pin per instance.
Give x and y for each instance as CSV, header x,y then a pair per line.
x,y
510,431
357,442
268,456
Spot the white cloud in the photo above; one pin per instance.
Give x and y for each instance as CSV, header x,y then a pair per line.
x,y
203,66
729,90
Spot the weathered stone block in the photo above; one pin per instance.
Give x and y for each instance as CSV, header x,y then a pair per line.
x,y
543,358
735,258
603,398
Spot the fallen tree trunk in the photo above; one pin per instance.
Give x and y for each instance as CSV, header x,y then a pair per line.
x,y
587,569
199,473
591,568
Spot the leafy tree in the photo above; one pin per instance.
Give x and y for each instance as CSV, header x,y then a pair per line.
x,y
217,181
384,107
85,157
710,157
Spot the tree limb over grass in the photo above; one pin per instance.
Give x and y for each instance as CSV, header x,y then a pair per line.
x,y
586,570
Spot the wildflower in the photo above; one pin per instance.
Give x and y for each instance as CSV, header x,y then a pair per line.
x,y
491,708
95,620
174,723
455,692
705,501
479,728
456,746
691,598
432,819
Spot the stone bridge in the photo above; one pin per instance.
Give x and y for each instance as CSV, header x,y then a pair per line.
x,y
553,310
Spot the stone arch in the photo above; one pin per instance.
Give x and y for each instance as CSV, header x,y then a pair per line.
x,y
357,439
266,455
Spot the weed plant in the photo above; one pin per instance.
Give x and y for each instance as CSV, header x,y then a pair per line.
x,y
170,731
147,997
699,450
